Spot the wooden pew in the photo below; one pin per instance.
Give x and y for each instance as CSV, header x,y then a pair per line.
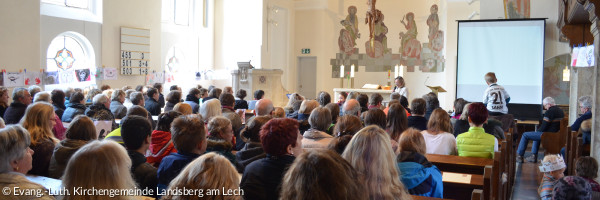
x,y
570,152
510,163
553,142
499,187
459,164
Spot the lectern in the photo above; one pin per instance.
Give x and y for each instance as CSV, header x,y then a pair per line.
x,y
436,89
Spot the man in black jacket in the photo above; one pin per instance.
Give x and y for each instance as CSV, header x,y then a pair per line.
x,y
550,123
151,103
135,131
16,110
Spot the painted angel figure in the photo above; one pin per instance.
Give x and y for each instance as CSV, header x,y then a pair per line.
x,y
373,17
411,29
351,24
380,34
433,22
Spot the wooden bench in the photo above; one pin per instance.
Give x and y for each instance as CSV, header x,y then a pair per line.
x,y
554,141
459,164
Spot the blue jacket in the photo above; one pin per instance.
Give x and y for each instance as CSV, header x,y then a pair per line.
x,y
170,166
193,101
72,111
578,121
419,176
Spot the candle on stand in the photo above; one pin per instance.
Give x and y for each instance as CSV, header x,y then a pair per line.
x,y
352,71
396,71
342,71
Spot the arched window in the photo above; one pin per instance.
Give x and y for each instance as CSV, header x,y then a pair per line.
x,y
70,62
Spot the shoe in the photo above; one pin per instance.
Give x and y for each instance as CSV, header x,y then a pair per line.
x,y
519,159
532,159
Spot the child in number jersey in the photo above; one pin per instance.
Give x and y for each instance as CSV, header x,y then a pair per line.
x,y
495,97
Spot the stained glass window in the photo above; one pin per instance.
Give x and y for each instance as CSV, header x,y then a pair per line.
x,y
70,54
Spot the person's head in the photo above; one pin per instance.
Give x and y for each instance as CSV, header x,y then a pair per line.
x,y
439,122
395,96
343,96
158,86
92,93
153,93
490,78
227,99
258,94
351,107
173,87
228,90
412,140
139,88
585,103
352,95
108,92
165,119
324,98
296,105
376,116
135,131
68,92
363,100
101,99
571,188
371,149
34,89
241,93
210,109
174,97
203,92
399,81
376,99
137,98
465,113
81,128
553,165
347,125
334,108
294,97
281,137
404,102
278,112
39,121
137,111
128,94
339,144
4,96
459,104
320,119
586,167
127,87
21,95
195,92
308,106
215,92
206,172
118,95
189,134
478,114
220,128
548,102
325,174
251,133
42,97
393,102
15,154
100,165
431,101
352,10
397,121
183,108
77,97
57,96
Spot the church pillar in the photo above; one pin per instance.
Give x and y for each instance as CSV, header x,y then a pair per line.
x,y
594,11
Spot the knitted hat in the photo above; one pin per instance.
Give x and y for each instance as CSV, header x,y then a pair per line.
x,y
572,187
553,165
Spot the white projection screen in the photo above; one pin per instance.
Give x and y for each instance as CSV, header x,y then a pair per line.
x,y
514,50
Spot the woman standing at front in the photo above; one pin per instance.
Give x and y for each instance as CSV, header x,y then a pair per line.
x,y
400,87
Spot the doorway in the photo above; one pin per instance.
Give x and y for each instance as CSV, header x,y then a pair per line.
x,y
307,77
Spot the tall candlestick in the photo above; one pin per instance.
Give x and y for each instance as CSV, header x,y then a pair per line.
x,y
342,71
352,71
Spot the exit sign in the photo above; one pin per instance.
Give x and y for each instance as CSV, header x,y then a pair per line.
x,y
306,51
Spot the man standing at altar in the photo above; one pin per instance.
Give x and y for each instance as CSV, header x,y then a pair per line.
x,y
400,87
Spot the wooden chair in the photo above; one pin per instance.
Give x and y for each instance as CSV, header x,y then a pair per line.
x,y
553,142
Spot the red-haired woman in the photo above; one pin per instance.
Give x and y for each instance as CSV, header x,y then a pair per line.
x,y
282,142
475,142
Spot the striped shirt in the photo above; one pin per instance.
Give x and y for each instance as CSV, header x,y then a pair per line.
x,y
545,189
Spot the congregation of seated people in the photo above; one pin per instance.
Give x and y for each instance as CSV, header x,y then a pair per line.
x,y
308,149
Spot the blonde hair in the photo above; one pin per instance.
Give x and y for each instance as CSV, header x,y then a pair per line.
x,y
465,113
321,174
108,93
42,97
371,149
293,98
37,122
412,140
278,112
210,109
100,165
116,95
439,121
218,125
490,77
3,90
208,171
183,108
307,106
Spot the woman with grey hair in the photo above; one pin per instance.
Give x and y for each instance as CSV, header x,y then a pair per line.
x,y
116,105
316,137
42,96
99,110
210,109
17,159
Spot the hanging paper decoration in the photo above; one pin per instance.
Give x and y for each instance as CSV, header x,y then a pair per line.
x,y
51,78
67,76
83,75
33,78
155,77
14,79
110,73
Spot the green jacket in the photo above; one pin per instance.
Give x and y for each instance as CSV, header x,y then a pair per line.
x,y
475,143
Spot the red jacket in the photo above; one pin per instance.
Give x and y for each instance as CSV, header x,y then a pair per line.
x,y
160,146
